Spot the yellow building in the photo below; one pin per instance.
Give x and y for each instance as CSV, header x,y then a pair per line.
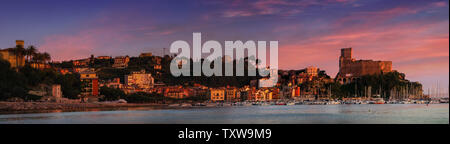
x,y
146,54
104,57
39,65
217,94
312,71
10,56
176,92
263,95
121,62
140,79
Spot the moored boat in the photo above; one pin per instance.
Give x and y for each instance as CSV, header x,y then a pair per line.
x,y
379,101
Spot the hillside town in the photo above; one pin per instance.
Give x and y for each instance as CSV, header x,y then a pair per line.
x,y
146,79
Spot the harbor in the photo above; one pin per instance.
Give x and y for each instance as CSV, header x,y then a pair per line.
x,y
310,102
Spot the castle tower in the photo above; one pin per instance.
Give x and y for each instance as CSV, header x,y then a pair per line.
x,y
346,55
350,69
20,43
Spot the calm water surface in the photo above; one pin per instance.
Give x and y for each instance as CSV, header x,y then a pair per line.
x,y
299,114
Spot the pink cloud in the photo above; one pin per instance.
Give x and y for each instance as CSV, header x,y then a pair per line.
x,y
403,43
239,8
82,44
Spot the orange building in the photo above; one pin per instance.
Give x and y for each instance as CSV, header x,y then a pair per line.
x,y
176,92
10,56
89,82
217,94
121,62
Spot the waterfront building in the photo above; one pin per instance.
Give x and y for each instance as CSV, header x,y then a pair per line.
x,y
243,95
50,93
351,69
56,91
275,93
176,92
121,62
89,83
263,95
217,94
231,94
251,95
308,83
285,92
199,92
139,79
9,55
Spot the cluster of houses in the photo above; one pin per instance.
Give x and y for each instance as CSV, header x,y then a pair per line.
x,y
308,84
143,81
136,81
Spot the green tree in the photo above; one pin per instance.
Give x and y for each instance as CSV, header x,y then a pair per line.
x,y
12,83
18,52
70,85
29,52
111,94
46,57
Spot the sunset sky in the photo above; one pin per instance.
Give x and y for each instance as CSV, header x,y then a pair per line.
x,y
413,34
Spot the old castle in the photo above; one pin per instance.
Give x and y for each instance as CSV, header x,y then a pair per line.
x,y
351,69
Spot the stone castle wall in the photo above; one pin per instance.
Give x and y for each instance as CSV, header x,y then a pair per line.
x,y
349,68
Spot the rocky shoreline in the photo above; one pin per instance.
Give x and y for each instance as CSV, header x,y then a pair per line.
x,y
39,107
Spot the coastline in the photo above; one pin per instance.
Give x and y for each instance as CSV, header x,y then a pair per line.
x,y
48,107
52,107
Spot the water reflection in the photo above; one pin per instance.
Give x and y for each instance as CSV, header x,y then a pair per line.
x,y
300,114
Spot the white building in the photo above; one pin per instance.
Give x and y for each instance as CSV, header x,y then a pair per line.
x,y
56,91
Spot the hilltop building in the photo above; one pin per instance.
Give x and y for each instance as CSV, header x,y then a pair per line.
x,y
121,62
81,62
351,69
10,56
146,54
89,82
312,71
176,92
104,57
139,79
115,83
